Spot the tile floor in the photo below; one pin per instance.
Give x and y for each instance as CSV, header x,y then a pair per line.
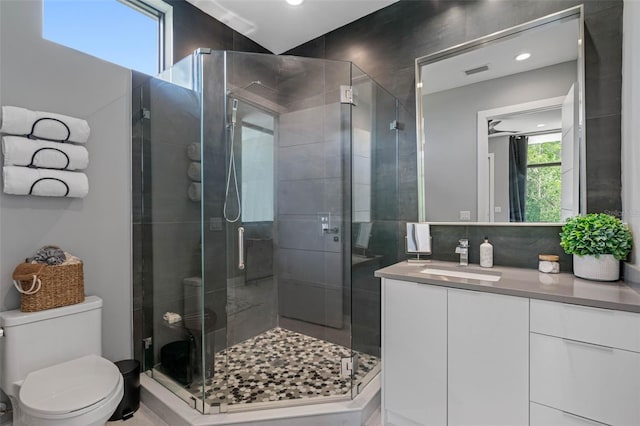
x,y
142,417
280,364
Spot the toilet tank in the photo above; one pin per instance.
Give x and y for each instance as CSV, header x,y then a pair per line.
x,y
34,340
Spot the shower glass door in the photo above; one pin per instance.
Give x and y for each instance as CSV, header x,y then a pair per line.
x,y
375,203
168,320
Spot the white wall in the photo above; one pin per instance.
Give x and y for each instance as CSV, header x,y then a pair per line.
x,y
631,129
40,75
450,119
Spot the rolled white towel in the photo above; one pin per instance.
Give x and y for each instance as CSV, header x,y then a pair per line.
x,y
21,151
172,317
194,171
43,125
193,151
44,182
195,191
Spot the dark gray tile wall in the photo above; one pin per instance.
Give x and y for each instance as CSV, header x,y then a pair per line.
x,y
193,29
516,246
385,44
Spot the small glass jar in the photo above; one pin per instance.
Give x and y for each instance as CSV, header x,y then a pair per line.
x,y
549,263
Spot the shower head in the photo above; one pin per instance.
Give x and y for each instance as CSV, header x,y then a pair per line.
x,y
259,83
256,93
253,83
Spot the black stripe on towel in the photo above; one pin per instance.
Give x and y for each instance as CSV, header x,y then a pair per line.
x,y
50,178
33,158
33,129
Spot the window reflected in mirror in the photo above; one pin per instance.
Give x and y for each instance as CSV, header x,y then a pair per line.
x,y
544,174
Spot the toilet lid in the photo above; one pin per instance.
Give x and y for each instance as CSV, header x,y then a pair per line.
x,y
70,386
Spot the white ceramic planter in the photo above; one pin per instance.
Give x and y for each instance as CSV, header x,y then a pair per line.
x,y
604,268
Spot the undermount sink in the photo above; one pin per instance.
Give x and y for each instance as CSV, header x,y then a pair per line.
x,y
462,274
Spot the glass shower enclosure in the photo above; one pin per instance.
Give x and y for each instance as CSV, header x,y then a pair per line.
x,y
263,181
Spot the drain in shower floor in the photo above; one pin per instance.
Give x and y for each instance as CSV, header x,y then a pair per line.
x,y
277,363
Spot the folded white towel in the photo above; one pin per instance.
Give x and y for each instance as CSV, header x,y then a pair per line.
x,y
44,182
21,151
43,125
193,151
194,171
195,192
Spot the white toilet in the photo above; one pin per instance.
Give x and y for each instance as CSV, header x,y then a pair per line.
x,y
51,368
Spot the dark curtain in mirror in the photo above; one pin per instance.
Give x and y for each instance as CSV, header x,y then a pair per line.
x,y
517,177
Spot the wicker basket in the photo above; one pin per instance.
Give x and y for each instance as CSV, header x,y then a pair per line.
x,y
61,285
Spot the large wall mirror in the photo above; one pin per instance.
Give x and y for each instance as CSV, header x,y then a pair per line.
x,y
500,125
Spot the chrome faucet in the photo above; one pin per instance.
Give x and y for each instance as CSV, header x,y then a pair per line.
x,y
463,251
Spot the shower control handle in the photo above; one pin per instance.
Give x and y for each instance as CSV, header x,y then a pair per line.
x,y
241,248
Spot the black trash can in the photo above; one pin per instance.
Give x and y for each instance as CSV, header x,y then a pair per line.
x,y
130,370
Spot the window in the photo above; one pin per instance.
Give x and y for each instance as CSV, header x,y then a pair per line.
x,y
135,34
544,178
256,164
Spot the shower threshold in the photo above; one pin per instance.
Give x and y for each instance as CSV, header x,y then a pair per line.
x,y
174,411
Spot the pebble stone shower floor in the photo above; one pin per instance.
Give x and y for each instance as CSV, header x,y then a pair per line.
x,y
278,365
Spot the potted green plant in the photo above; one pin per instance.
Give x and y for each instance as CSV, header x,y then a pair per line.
x,y
598,242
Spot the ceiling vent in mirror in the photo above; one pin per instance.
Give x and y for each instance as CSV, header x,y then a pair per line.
x,y
477,70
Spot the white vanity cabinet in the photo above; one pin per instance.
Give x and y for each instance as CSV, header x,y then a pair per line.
x,y
453,357
461,357
458,350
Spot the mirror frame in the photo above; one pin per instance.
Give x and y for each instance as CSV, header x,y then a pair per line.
x,y
567,14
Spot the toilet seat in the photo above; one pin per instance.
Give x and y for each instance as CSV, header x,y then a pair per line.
x,y
70,388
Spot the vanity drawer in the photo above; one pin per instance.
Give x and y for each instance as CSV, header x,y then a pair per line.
x,y
540,415
591,381
606,327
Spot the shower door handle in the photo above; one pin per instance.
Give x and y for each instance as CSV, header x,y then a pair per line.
x,y
241,248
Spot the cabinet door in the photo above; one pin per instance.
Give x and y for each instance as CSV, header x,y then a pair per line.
x,y
488,359
414,353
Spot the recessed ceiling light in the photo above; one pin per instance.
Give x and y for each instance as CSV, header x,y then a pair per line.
x,y
523,56
295,2
541,125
